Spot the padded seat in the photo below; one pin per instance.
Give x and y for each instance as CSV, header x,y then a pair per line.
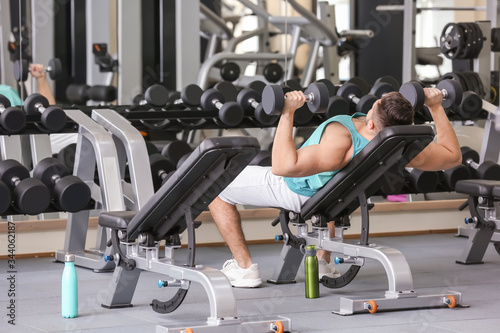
x,y
479,187
116,220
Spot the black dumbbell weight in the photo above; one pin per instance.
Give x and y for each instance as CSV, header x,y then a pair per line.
x,y
67,156
273,98
5,198
155,95
414,93
81,93
53,117
381,88
470,107
336,104
302,115
420,181
161,167
392,81
451,176
69,193
174,150
249,99
230,113
258,86
228,90
354,95
21,69
488,170
12,119
190,96
29,195
230,71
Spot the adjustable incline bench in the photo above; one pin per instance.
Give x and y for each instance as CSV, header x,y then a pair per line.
x,y
484,198
135,237
349,189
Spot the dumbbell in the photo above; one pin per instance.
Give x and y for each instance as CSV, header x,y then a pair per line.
x,y
69,193
5,198
272,72
336,104
53,117
67,156
156,95
421,181
470,107
451,176
21,69
249,99
12,119
174,151
488,170
227,89
273,98
354,95
29,195
81,93
414,93
230,113
190,96
161,167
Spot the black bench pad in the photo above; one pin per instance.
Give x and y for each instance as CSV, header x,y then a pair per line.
x,y
116,220
394,146
479,187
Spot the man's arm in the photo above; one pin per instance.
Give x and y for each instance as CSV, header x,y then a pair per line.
x,y
329,155
445,153
43,85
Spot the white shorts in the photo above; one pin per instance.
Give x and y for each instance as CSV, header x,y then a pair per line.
x,y
257,186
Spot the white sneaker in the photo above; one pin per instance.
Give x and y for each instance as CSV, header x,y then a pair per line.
x,y
241,277
327,269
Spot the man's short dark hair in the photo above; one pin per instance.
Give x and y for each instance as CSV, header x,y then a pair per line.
x,y
394,109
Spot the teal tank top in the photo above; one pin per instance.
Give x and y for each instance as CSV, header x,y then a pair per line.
x,y
308,186
11,94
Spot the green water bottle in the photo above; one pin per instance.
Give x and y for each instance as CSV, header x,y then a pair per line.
x,y
311,268
69,288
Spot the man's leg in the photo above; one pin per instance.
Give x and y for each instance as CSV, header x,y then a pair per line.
x,y
228,221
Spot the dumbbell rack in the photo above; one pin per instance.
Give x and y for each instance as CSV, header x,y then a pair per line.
x,y
95,146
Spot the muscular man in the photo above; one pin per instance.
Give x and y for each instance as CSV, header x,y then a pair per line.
x,y
296,175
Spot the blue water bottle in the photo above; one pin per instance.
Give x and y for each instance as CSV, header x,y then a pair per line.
x,y
69,290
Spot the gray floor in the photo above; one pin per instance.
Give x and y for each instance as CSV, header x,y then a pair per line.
x,y
431,258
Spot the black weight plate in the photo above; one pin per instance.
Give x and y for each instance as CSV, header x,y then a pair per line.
x,y
228,90
478,83
71,194
331,87
102,93
10,169
469,154
452,40
319,102
455,76
159,165
470,106
293,84
263,118
12,120
488,170
55,65
379,89
245,97
4,101
67,156
49,167
365,103
175,150
302,116
156,95
424,181
414,93
347,90
389,80
32,100
77,93
361,83
273,72
258,86
230,71
452,176
273,100
231,114
336,106
209,98
53,118
191,95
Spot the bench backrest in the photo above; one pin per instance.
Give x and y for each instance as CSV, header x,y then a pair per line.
x,y
192,187
368,170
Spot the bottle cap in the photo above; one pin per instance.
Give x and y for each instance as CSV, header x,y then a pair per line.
x,y
310,250
69,257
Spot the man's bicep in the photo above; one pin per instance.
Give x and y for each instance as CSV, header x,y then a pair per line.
x,y
432,158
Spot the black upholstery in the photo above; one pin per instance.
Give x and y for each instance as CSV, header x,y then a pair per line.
x,y
479,187
192,187
368,170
